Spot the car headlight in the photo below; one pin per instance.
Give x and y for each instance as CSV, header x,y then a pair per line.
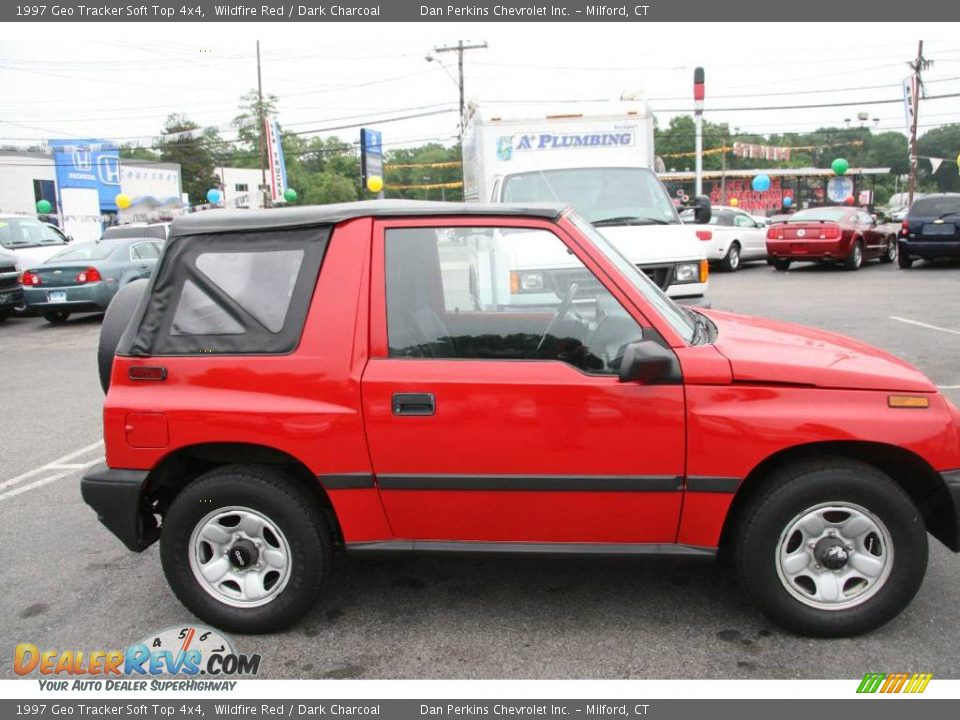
x,y
524,281
687,273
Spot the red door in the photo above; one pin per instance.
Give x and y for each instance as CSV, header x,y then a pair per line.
x,y
491,403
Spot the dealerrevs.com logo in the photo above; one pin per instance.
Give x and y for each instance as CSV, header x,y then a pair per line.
x,y
895,682
177,652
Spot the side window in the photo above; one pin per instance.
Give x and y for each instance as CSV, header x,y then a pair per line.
x,y
32,232
723,218
499,294
743,221
144,251
231,293
51,236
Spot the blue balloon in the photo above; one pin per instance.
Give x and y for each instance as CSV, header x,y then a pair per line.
x,y
787,201
214,196
761,183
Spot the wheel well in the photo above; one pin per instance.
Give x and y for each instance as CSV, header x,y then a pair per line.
x,y
183,466
911,472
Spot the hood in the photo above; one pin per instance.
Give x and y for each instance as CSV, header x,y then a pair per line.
x,y
766,351
650,244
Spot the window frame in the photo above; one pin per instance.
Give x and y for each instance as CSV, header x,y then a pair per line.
x,y
379,347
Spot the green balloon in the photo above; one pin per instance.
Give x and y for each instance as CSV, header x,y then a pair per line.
x,y
290,195
840,166
44,207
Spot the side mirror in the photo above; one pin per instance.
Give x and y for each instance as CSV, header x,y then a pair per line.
x,y
648,361
69,238
701,210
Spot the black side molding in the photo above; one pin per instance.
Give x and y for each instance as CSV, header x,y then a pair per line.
x,y
347,481
708,484
574,483
416,546
118,498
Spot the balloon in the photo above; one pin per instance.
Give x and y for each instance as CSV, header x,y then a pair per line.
x,y
734,202
214,196
849,200
375,183
761,183
122,200
787,201
840,166
44,206
290,195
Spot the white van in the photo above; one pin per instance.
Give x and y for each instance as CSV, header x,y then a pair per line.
x,y
599,158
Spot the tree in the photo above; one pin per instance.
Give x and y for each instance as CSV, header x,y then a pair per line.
x,y
130,152
942,142
246,148
197,156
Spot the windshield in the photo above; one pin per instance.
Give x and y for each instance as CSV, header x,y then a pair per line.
x,y
84,251
598,194
834,214
17,233
679,320
936,206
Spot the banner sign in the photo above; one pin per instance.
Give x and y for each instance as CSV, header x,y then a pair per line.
x,y
88,164
909,93
753,151
278,169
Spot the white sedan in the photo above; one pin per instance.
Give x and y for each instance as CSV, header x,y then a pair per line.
x,y
736,237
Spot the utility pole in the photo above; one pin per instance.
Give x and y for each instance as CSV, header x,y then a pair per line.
x,y
918,65
264,192
698,93
459,48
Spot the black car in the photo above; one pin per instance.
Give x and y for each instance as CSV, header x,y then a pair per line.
x,y
931,229
11,293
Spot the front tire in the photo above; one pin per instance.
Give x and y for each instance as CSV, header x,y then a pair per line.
x,y
832,547
854,261
904,260
246,549
731,261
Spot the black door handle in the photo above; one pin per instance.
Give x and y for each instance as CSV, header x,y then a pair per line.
x,y
414,404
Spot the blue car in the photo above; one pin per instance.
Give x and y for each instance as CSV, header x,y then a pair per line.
x,y
85,277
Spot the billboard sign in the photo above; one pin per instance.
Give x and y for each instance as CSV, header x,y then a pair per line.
x,y
371,158
89,165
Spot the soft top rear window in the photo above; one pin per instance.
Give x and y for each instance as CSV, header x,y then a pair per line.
x,y
231,293
935,206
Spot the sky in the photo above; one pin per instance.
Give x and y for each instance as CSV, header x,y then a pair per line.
x,y
120,80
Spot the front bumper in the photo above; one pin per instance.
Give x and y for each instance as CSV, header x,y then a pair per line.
x,y
808,249
934,249
120,502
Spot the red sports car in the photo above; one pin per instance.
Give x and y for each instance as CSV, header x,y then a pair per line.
x,y
830,234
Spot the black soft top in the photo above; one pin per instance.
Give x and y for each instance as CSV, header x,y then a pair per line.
x,y
223,221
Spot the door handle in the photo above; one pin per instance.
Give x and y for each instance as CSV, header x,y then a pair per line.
x,y
414,404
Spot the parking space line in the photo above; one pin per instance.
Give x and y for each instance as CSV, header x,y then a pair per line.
x,y
924,325
44,481
52,465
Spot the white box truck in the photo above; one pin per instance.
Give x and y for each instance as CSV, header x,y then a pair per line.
x,y
599,158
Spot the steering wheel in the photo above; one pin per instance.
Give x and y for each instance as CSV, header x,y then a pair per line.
x,y
562,311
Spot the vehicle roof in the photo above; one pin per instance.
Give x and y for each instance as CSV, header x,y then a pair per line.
x,y
218,221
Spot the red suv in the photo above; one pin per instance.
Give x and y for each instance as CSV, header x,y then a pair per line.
x,y
386,376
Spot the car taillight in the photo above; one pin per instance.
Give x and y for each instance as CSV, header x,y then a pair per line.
x,y
775,233
29,278
905,228
704,235
90,275
829,232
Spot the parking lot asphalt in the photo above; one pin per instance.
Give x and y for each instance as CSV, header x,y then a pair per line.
x,y
69,584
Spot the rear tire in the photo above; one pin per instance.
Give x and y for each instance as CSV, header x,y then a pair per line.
x,y
831,512
269,517
781,265
890,254
56,317
904,260
731,261
115,321
854,261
